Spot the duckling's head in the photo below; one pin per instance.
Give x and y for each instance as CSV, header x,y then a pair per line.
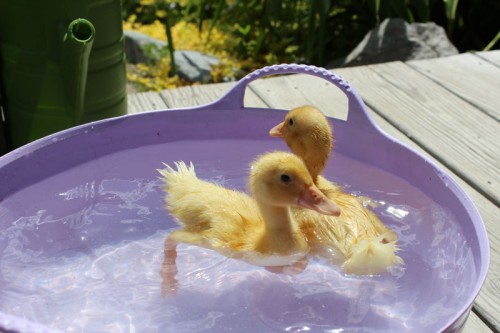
x,y
308,134
281,179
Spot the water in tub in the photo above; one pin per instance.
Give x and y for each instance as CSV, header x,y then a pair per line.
x,y
82,252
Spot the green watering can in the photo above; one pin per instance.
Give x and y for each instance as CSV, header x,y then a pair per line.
x,y
62,63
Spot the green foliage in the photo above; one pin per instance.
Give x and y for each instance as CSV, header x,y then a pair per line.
x,y
470,24
269,31
154,52
475,24
265,32
451,13
493,42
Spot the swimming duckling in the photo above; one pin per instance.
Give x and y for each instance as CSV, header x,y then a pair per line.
x,y
259,230
367,245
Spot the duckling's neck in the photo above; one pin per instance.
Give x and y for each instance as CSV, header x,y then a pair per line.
x,y
316,162
314,151
278,218
281,233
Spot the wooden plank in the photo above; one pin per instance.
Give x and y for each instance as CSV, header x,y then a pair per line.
x,y
468,76
204,94
492,56
488,299
145,101
453,131
475,325
287,92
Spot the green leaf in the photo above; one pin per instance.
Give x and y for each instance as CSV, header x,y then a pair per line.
x,y
272,10
422,10
216,18
377,9
399,8
451,14
451,9
493,42
244,30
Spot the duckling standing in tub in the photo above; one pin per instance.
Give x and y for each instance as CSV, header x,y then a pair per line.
x,y
259,230
366,244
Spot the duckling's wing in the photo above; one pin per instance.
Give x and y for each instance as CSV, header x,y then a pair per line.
x,y
322,232
328,188
361,222
219,214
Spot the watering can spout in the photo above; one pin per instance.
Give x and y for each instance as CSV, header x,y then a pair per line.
x,y
77,43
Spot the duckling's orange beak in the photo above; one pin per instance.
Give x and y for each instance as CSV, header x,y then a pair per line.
x,y
277,131
312,198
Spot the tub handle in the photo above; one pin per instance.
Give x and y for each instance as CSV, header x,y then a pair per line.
x,y
357,112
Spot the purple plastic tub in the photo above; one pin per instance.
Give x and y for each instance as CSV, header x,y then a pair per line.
x,y
82,226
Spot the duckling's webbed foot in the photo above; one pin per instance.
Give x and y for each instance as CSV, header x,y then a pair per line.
x,y
293,269
169,268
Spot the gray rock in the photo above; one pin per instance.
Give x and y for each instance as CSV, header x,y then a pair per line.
x,y
193,66
141,48
394,39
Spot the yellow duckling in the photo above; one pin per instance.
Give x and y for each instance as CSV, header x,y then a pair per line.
x,y
367,245
260,230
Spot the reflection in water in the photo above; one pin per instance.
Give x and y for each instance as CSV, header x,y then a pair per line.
x,y
87,256
397,212
118,287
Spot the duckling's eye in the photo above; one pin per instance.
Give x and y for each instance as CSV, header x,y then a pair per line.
x,y
285,178
290,122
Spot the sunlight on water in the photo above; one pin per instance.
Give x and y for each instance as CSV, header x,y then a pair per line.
x,y
84,254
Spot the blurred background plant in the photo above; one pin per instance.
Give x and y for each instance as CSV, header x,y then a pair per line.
x,y
246,35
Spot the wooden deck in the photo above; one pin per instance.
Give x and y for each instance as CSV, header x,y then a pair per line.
x,y
447,108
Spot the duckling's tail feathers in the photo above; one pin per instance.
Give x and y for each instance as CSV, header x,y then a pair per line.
x,y
372,257
171,176
181,187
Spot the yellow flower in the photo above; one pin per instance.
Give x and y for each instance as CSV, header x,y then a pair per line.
x,y
161,13
147,2
186,36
